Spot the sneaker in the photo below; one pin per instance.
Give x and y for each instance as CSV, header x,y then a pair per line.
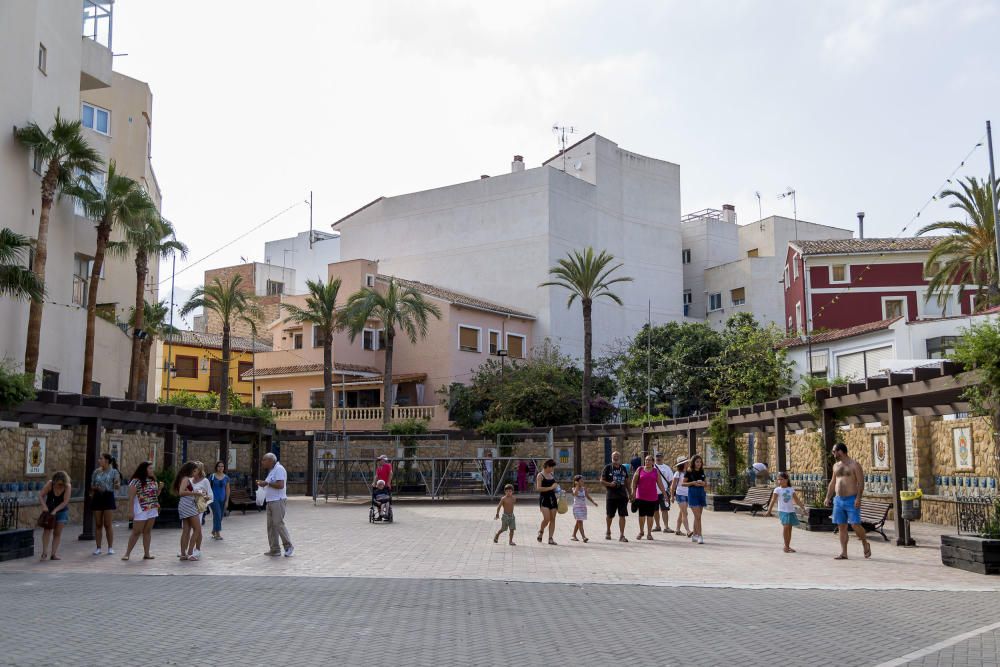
x,y
111,552
694,538
97,551
701,540
196,553
289,552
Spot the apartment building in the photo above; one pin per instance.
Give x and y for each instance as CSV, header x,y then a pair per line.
x,y
267,282
55,55
194,364
308,253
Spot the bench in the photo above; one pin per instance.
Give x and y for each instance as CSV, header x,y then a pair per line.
x,y
873,516
756,499
240,499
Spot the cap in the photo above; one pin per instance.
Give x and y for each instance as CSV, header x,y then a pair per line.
x,y
681,459
383,457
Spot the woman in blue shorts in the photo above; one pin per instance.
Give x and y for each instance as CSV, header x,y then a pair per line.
x,y
694,480
54,497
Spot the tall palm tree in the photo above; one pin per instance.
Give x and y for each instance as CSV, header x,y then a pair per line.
x,y
399,310
232,305
588,277
16,281
120,203
321,312
151,237
156,324
64,154
968,254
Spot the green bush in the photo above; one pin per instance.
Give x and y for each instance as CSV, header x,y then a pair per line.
x,y
15,387
722,438
167,498
500,427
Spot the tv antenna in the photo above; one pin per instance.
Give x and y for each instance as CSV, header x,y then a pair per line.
x,y
561,131
790,192
760,210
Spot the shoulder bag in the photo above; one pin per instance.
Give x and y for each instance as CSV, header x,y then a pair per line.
x,y
46,520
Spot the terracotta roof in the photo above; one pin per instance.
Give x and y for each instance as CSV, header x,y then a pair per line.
x,y
214,341
458,298
859,246
837,334
306,369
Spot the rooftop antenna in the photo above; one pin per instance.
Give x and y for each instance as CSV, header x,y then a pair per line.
x,y
760,210
790,192
561,131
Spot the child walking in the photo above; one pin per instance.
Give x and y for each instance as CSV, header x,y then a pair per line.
x,y
507,523
580,498
788,498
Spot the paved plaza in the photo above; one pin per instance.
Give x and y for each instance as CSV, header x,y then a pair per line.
x,y
433,589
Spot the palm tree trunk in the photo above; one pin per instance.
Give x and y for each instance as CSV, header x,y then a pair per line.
x,y
103,236
142,381
141,269
31,347
588,342
224,385
328,381
387,380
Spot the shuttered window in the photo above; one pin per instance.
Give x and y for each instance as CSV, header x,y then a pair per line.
x,y
820,361
187,367
515,346
859,365
468,339
739,296
282,401
494,342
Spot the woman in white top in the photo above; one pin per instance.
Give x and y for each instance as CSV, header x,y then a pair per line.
x,y
680,494
201,483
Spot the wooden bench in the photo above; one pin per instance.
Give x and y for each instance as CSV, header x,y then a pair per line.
x,y
756,499
240,499
873,516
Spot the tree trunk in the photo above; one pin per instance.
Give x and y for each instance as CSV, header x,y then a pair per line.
x,y
327,380
224,384
387,380
142,382
588,341
103,236
141,270
31,347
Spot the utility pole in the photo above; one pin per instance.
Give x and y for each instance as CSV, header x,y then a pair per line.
x,y
993,192
170,339
310,219
790,192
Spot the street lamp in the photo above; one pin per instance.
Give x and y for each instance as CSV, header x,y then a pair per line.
x,y
503,355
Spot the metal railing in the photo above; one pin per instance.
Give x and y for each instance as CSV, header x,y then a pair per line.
x,y
976,515
356,414
8,513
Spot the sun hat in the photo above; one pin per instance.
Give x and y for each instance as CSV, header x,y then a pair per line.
x,y
383,457
680,460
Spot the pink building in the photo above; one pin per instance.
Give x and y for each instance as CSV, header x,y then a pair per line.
x,y
470,331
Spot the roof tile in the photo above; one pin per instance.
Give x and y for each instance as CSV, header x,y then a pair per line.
x,y
837,334
214,341
857,246
306,369
457,298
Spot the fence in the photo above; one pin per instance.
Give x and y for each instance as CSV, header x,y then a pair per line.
x,y
8,513
976,515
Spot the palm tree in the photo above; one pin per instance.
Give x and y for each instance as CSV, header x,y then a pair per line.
x,y
399,310
151,237
65,154
232,305
156,324
588,277
16,281
120,203
968,254
321,312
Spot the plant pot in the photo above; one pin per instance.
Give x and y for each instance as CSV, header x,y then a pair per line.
x,y
17,543
971,553
818,519
718,502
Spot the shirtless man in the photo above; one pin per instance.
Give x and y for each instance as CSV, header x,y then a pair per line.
x,y
848,483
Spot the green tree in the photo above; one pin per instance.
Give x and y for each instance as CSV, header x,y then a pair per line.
x,y
968,255
321,312
64,155
399,310
232,305
587,277
16,281
121,203
751,368
978,350
156,324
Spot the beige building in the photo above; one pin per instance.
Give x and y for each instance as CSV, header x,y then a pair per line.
x,y
52,60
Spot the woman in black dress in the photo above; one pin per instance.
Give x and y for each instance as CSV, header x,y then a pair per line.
x,y
545,484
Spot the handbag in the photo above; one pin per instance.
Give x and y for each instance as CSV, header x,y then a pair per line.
x,y
563,506
201,503
46,520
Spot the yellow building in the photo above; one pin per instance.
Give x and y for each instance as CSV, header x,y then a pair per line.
x,y
194,361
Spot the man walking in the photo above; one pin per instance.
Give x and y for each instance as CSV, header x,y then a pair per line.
x,y
614,478
275,497
663,499
845,490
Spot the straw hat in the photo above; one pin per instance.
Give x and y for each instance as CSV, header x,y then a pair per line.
x,y
680,460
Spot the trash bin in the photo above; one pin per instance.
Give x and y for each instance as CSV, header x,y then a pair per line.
x,y
910,504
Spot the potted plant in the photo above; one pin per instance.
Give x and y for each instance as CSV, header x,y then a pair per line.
x,y
816,516
978,552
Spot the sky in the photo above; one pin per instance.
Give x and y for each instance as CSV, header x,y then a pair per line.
x,y
859,105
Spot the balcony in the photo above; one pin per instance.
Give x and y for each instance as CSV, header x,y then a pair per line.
x,y
95,61
359,419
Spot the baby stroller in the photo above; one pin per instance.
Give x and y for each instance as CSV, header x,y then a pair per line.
x,y
381,507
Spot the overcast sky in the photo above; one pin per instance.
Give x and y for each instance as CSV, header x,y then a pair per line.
x,y
864,105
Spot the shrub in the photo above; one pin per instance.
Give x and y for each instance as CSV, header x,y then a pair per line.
x,y
15,387
501,427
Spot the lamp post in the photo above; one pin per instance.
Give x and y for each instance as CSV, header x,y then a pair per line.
x,y
503,355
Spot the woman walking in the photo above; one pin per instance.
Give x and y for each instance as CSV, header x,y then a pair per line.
x,y
694,480
187,509
143,508
104,481
54,497
680,494
220,494
545,484
647,484
202,502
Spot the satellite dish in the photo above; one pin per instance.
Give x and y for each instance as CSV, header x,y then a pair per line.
x,y
578,166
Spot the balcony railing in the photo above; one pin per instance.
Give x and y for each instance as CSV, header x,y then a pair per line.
x,y
355,414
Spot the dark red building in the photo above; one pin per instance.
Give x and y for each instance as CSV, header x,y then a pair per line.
x,y
842,283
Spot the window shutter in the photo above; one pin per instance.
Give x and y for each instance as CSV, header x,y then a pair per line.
x,y
515,347
468,339
874,357
851,365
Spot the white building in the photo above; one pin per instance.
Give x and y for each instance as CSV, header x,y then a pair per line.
x,y
729,268
498,236
308,260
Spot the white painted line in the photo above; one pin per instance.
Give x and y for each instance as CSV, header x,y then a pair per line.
x,y
940,646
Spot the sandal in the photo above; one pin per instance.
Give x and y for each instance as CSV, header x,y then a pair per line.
x,y
649,537
574,539
192,558
184,558
585,540
841,557
623,539
789,550
54,557
539,537
124,557
44,557
607,536
149,557
552,542
640,536
868,548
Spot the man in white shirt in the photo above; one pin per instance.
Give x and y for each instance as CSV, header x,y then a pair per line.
x,y
663,499
275,498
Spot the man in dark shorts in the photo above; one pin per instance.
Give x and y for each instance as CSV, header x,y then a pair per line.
x,y
614,477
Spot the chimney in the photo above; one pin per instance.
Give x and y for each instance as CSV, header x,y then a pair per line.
x,y
729,213
861,224
483,176
517,164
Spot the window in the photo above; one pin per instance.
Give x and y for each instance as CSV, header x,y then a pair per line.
x,y
96,118
468,338
687,297
739,296
789,323
494,341
685,256
931,270
785,279
318,338
369,280
43,59
81,277
942,347
95,388
753,252
864,364
316,398
187,367
819,363
37,163
515,346
795,268
371,339
798,316
50,380
839,273
297,341
274,288
715,301
893,307
243,368
280,400
99,180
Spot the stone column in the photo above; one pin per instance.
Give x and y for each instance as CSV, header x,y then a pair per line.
x,y
95,429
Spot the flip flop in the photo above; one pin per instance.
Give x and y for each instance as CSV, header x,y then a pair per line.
x,y
149,557
54,558
539,537
574,539
623,539
184,558
585,540
607,536
649,537
124,557
868,548
840,558
552,542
